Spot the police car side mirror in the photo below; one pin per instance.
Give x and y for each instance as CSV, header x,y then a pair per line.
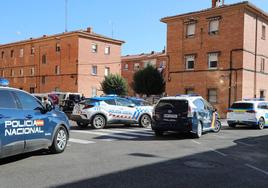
x,y
131,105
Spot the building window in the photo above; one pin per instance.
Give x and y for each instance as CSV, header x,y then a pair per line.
x,y
126,66
136,66
263,36
214,27
94,92
149,63
190,30
94,48
262,94
107,50
21,52
32,71
12,73
12,53
2,54
213,60
21,72
212,95
189,91
189,62
32,50
57,69
32,90
57,47
44,59
262,65
107,71
43,80
94,70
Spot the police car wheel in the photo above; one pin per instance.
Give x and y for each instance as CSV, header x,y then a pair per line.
x,y
98,122
59,141
199,130
145,121
82,125
261,124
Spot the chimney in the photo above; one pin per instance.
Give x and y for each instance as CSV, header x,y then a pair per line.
x,y
89,30
217,3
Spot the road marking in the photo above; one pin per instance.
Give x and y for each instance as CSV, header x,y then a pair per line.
x,y
145,131
196,142
218,152
125,132
104,134
79,141
245,144
257,169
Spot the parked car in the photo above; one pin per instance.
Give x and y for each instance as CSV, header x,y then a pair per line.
x,y
185,113
251,112
100,111
26,125
40,96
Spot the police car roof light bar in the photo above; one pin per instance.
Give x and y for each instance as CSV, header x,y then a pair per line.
x,y
4,82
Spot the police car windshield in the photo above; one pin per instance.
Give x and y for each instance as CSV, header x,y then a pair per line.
x,y
242,106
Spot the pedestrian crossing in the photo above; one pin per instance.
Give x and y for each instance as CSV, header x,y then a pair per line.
x,y
108,135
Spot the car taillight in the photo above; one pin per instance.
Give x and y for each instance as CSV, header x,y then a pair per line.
x,y
190,112
251,111
88,106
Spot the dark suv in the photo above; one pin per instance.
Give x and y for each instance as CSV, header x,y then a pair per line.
x,y
185,113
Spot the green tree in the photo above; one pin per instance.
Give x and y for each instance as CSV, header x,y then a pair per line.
x,y
148,81
114,84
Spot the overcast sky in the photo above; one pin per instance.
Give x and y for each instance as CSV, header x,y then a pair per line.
x,y
134,21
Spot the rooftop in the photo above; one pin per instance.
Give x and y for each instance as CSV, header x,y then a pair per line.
x,y
151,55
88,33
243,3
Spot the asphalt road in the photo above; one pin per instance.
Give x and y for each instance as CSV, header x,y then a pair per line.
x,y
133,157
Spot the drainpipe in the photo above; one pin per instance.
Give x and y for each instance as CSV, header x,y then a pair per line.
x,y
230,74
255,60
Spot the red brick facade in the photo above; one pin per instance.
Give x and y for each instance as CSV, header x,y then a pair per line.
x,y
133,63
62,62
220,53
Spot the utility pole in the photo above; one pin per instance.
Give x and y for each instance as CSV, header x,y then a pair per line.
x,y
66,15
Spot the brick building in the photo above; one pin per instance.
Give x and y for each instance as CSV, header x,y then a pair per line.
x,y
133,63
72,61
219,53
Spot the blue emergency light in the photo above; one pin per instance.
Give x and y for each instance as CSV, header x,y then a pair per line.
x,y
4,82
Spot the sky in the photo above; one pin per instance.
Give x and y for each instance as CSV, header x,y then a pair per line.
x,y
137,22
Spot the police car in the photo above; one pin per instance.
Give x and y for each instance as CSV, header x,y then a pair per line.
x,y
185,113
100,111
250,112
26,125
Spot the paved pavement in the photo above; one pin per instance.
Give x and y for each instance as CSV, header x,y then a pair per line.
x,y
121,156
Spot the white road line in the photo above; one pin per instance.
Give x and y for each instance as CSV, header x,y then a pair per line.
x,y
196,142
218,152
104,134
79,141
136,130
245,144
257,169
125,132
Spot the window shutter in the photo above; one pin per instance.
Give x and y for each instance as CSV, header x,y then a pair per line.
x,y
190,29
214,25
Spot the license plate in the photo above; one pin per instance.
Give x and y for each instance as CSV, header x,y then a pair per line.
x,y
170,116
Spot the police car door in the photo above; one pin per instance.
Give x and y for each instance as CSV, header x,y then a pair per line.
x,y
203,113
11,143
126,110
36,122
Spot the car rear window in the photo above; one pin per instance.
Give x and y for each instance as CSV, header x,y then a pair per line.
x,y
176,105
242,106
